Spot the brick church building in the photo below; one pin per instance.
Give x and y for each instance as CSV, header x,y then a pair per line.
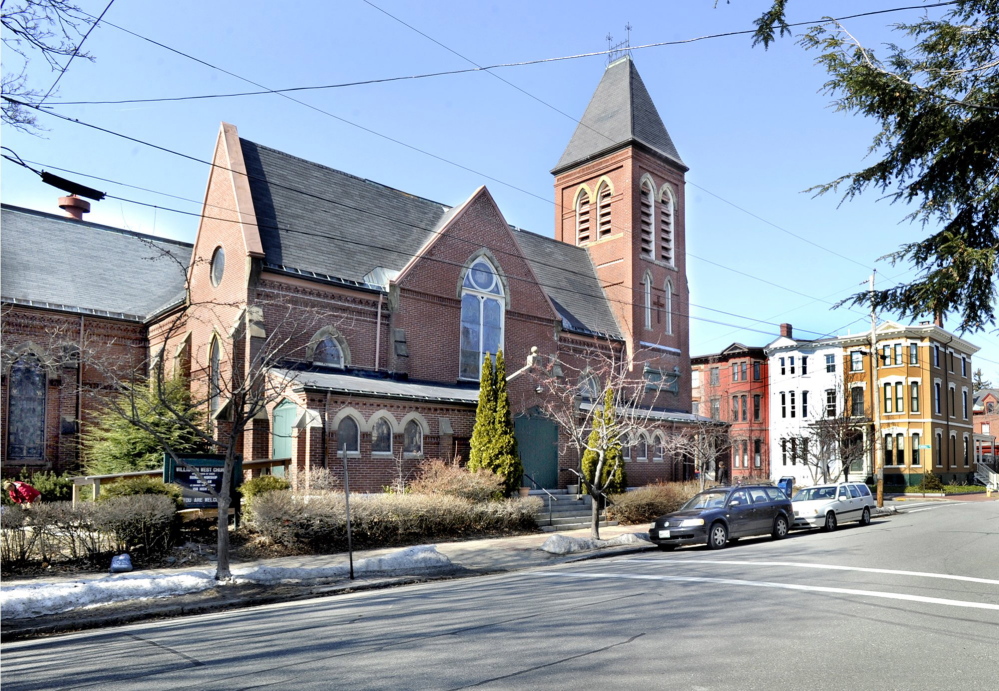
x,y
403,297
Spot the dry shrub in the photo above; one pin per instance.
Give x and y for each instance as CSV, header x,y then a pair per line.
x,y
18,536
324,480
145,522
450,479
319,522
647,503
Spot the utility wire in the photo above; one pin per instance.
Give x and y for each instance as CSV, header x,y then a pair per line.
x,y
328,200
347,241
75,52
539,100
523,63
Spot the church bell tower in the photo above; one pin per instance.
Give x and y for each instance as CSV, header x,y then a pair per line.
x,y
619,192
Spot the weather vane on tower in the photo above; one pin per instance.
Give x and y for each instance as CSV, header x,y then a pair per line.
x,y
614,51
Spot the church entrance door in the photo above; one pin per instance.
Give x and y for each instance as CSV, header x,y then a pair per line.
x,y
537,441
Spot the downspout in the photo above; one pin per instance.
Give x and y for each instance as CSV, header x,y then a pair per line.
x,y
378,336
946,407
79,388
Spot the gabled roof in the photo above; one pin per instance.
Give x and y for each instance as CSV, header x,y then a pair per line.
x,y
620,113
338,226
353,231
567,275
55,262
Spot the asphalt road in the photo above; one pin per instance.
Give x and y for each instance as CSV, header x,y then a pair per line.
x,y
911,602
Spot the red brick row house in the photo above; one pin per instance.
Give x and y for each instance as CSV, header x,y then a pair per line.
x,y
405,295
732,386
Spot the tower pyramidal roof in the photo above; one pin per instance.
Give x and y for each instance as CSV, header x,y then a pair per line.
x,y
620,113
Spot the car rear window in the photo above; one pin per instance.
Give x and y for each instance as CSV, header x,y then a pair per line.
x,y
864,490
759,495
775,494
854,491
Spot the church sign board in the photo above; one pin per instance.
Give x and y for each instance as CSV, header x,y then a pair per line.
x,y
197,491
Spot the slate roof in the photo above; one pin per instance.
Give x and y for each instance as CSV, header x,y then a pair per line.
x,y
566,273
342,382
349,230
340,226
57,262
620,112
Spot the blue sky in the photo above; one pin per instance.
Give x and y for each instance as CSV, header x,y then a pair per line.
x,y
752,125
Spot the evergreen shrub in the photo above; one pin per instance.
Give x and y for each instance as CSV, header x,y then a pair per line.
x,y
260,485
131,486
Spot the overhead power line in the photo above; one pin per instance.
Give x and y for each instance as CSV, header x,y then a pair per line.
x,y
523,63
393,250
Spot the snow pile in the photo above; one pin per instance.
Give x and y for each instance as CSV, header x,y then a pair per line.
x,y
561,544
38,599
409,559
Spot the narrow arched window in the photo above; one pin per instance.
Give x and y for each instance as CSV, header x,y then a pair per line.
x,y
669,306
647,287
381,436
643,448
214,376
348,436
647,208
328,352
482,309
603,211
26,425
659,450
583,218
667,206
412,438
589,386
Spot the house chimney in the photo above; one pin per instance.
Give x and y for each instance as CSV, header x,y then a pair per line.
x,y
74,207
785,331
938,319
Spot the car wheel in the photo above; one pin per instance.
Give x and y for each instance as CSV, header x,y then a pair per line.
x,y
666,548
830,522
865,518
717,536
780,528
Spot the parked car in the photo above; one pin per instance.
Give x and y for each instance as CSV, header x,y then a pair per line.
x,y
720,514
826,506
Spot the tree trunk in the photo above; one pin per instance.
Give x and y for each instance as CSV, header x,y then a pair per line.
x,y
595,516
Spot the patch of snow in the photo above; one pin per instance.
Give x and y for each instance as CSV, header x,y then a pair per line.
x,y
562,544
38,599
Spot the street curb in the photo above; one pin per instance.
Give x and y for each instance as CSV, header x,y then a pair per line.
x,y
173,610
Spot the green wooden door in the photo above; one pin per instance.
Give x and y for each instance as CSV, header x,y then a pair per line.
x,y
284,418
537,441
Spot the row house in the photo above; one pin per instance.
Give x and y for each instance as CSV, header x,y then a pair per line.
x,y
733,386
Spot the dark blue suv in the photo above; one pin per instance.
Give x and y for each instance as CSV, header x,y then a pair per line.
x,y
720,514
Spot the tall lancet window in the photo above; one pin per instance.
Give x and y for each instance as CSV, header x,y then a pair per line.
x,y
647,209
647,289
583,217
603,211
482,306
669,306
667,209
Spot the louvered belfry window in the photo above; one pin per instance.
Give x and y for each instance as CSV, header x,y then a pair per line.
x,y
583,218
666,207
647,207
604,211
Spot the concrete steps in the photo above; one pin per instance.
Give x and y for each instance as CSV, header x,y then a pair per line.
x,y
564,512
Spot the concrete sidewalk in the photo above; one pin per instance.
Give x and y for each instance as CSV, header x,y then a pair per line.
x,y
468,558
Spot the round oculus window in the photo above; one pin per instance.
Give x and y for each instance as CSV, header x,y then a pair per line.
x,y
483,277
218,265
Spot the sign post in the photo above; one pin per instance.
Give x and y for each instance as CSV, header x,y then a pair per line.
x,y
346,501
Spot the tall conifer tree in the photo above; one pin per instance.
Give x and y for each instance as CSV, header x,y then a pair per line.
x,y
504,458
604,439
485,417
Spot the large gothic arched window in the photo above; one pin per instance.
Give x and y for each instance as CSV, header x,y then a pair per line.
x,y
26,426
482,308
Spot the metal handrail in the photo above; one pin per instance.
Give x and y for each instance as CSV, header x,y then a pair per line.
x,y
550,496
